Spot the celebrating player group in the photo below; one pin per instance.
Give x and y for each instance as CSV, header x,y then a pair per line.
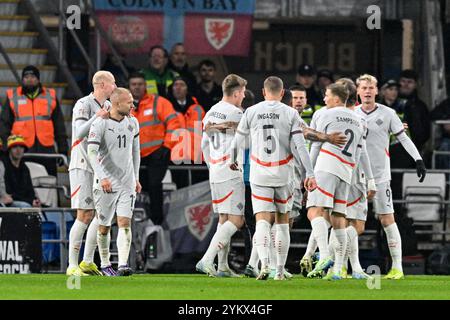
x,y
347,165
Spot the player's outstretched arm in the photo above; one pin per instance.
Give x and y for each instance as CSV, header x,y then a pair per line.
x,y
366,166
95,137
301,153
335,138
205,148
237,144
83,124
414,153
225,127
137,158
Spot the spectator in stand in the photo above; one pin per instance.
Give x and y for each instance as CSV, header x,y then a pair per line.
x,y
17,175
157,120
442,112
158,76
112,65
179,64
416,111
33,112
306,77
389,96
208,91
188,149
324,79
5,199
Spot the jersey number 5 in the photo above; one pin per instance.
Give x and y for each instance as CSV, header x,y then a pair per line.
x,y
267,137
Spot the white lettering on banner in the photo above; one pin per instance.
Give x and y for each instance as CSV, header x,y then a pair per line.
x,y
340,56
9,251
14,268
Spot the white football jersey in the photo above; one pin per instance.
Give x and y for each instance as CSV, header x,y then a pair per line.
x,y
340,161
220,143
316,116
83,111
270,125
116,142
381,122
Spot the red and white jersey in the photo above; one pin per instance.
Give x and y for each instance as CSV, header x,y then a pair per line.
x,y
381,122
270,125
220,143
84,114
340,161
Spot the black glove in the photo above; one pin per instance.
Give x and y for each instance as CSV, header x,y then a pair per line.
x,y
421,170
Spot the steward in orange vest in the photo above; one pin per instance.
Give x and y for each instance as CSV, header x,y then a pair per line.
x,y
33,112
157,122
190,114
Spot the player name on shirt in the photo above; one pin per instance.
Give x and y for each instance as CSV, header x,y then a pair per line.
x,y
218,115
272,116
348,120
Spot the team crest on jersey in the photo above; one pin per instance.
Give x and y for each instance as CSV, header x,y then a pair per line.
x,y
130,127
88,200
219,31
199,219
379,122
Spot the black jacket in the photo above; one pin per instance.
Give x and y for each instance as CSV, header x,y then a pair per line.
x,y
7,120
187,75
417,116
207,100
18,182
442,112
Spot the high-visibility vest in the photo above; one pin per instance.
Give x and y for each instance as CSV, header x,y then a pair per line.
x,y
188,149
33,118
307,114
157,122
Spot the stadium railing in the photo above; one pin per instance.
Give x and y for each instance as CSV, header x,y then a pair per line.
x,y
63,240
435,134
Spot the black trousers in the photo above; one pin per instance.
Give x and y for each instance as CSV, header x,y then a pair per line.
x,y
151,177
250,223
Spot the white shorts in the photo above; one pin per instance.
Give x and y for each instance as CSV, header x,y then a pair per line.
x,y
272,199
107,204
382,202
296,204
331,193
228,197
81,182
357,204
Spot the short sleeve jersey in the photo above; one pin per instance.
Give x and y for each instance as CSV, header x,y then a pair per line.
x,y
220,143
381,122
84,109
270,125
340,161
115,155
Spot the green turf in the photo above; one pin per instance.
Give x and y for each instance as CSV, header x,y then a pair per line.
x,y
192,287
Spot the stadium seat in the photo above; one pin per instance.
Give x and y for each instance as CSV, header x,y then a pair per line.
x,y
168,184
44,184
432,189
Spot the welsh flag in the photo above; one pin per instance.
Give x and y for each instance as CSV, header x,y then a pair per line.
x,y
206,27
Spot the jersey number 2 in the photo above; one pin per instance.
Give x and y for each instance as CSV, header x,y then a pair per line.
x,y
349,143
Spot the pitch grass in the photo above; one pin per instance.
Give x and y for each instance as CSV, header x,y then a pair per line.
x,y
193,287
